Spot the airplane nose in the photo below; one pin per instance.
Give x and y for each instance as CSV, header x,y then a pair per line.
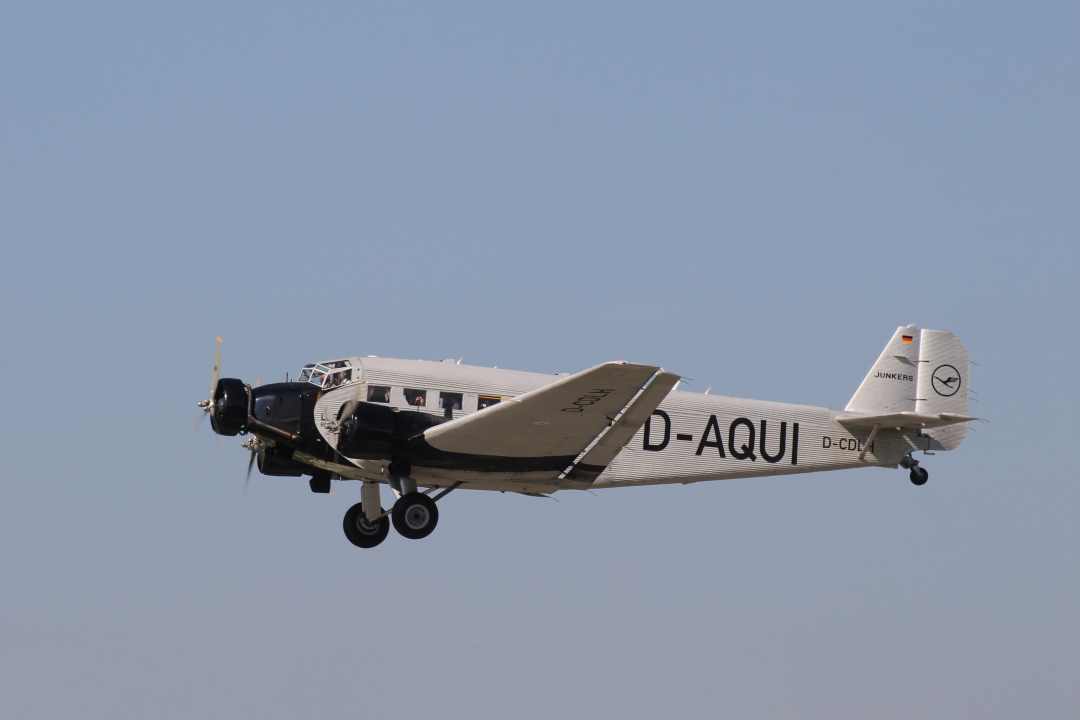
x,y
228,408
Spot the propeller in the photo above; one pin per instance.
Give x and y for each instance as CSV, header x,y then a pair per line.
x,y
350,405
251,464
254,444
215,374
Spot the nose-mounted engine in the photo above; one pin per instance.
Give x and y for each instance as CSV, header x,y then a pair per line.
x,y
280,410
279,418
229,407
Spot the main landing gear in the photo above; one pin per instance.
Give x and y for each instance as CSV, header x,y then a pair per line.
x,y
363,532
414,515
918,474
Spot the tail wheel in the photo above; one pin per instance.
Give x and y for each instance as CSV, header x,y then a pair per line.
x,y
415,516
918,475
362,532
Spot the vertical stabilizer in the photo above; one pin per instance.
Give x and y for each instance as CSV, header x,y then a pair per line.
x,y
943,383
890,386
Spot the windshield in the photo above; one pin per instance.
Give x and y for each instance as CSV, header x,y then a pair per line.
x,y
327,375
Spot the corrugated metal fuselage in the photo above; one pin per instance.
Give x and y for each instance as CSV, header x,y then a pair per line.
x,y
691,437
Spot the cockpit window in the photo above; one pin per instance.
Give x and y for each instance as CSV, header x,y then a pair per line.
x,y
378,393
415,397
328,375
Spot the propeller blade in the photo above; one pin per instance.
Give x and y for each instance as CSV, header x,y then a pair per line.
x,y
346,410
247,475
215,373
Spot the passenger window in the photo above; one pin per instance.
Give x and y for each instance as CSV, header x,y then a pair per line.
x,y
416,398
450,401
487,401
378,393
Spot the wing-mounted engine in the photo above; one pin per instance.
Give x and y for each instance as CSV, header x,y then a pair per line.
x,y
277,460
377,432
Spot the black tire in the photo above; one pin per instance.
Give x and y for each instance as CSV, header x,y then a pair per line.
x,y
360,531
919,476
415,516
320,483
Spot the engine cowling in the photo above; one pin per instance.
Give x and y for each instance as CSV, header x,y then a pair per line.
x,y
374,432
368,433
229,409
277,461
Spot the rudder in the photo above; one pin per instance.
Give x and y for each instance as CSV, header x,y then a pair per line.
x,y
943,383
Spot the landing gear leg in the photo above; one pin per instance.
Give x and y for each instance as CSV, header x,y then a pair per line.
x,y
366,524
918,475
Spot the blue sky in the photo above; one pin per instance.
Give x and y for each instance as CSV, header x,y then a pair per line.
x,y
753,196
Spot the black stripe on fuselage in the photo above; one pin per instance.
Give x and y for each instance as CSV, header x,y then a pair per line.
x,y
424,454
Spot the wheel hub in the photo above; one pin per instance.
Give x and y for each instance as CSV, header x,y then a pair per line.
x,y
365,526
417,517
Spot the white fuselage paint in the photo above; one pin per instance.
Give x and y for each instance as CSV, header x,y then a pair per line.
x,y
692,437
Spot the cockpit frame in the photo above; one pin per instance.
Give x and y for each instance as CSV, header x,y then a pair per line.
x,y
329,374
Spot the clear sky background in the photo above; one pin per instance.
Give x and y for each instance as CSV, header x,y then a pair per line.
x,y
753,196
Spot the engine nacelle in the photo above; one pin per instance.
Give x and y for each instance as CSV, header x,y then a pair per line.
x,y
368,433
277,461
376,432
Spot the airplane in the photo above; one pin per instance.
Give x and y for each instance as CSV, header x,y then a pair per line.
x,y
426,428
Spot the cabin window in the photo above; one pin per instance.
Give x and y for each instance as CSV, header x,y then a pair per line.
x,y
416,397
450,401
487,401
378,393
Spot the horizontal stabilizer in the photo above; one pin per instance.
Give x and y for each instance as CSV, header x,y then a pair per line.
x,y
902,420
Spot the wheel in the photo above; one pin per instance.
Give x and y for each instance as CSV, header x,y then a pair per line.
x,y
919,476
415,516
360,531
320,483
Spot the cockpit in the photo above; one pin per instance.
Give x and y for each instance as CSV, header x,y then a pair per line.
x,y
329,374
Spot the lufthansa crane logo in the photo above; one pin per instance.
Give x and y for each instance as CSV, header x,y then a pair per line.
x,y
946,380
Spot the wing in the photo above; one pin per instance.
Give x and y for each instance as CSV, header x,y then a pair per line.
x,y
610,443
545,430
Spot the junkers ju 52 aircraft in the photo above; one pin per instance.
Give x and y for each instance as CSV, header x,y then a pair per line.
x,y
427,428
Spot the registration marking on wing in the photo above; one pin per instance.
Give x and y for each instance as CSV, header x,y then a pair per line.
x,y
590,398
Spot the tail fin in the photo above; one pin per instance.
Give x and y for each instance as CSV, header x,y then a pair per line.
x,y
890,386
923,372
